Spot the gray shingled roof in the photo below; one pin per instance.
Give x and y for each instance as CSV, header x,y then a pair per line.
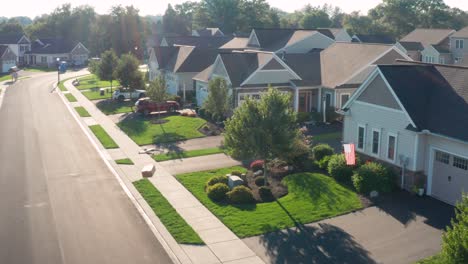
x,y
378,39
428,36
184,58
462,33
10,38
307,66
276,38
201,42
412,45
52,46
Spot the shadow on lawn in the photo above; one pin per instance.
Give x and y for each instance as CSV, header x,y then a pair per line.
x,y
110,106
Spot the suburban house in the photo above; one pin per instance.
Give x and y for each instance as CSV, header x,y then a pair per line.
x,y
7,58
378,39
45,52
179,65
18,43
210,42
459,46
290,40
339,34
413,116
428,45
208,32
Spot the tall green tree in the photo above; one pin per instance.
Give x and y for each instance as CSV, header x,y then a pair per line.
x,y
127,73
265,129
10,27
107,65
316,19
218,101
455,240
156,90
174,22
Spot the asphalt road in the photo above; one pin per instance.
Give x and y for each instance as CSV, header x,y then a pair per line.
x,y
59,203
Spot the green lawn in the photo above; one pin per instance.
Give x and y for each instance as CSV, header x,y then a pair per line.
x,y
82,111
92,81
103,137
112,107
436,259
187,154
5,78
124,162
175,224
312,197
143,132
96,95
327,137
71,98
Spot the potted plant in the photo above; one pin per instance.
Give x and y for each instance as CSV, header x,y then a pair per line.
x,y
418,190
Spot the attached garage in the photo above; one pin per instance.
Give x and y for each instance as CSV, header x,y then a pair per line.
x,y
7,59
449,176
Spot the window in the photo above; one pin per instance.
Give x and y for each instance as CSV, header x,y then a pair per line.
x,y
361,137
458,60
375,142
344,99
392,144
459,44
441,60
460,163
43,59
244,96
429,59
442,157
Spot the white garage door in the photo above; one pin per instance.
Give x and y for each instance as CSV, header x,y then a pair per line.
x,y
7,65
449,177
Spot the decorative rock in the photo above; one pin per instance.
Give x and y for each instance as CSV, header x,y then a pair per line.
x,y
234,181
148,171
374,194
258,173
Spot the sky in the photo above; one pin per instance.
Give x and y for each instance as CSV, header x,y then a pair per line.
x,y
31,8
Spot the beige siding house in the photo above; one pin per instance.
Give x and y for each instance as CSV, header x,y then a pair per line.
x,y
459,46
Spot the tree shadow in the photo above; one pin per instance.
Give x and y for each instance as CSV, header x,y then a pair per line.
x,y
133,124
322,243
110,106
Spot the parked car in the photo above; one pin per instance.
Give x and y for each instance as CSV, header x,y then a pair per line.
x,y
126,94
146,106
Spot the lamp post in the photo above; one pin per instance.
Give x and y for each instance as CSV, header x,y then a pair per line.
x,y
58,71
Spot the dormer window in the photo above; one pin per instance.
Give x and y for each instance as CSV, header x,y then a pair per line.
x,y
459,43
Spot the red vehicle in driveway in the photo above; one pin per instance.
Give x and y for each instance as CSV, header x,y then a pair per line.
x,y
146,106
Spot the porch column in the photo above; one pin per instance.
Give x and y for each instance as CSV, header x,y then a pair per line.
x,y
319,103
296,100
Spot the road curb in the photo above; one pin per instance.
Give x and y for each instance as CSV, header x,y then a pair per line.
x,y
127,191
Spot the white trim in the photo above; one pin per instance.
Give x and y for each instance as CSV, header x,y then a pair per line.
x,y
317,33
331,98
218,59
395,149
379,107
253,36
416,151
363,138
379,130
274,57
23,37
77,45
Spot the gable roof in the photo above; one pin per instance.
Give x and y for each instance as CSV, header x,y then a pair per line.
x,y
3,48
184,58
428,36
378,39
10,38
236,43
307,66
208,32
201,42
432,101
240,66
274,39
462,33
52,46
342,60
412,45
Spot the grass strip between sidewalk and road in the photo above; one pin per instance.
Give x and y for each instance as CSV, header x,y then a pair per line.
x,y
175,224
103,137
124,162
187,154
82,111
70,98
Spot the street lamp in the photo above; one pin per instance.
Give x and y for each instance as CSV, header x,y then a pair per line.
x,y
58,71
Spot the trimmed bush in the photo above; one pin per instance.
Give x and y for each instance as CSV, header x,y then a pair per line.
x,y
217,179
303,117
257,165
323,163
265,194
218,192
260,181
338,169
322,150
236,173
240,195
373,176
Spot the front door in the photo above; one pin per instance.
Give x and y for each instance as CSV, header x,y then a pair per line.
x,y
328,98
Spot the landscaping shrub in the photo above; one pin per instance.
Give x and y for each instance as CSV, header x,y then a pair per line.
x,y
260,181
265,194
217,192
303,117
257,165
323,163
217,179
338,169
300,156
240,195
236,173
455,239
322,150
373,176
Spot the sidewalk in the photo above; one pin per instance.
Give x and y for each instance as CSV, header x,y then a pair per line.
x,y
222,246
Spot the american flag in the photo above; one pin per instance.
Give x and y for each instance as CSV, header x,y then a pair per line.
x,y
350,155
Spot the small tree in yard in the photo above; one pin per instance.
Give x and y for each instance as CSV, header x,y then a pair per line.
x,y
156,91
217,102
127,72
106,68
455,240
263,129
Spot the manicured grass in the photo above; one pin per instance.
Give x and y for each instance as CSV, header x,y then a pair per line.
x,y
327,137
175,224
112,107
40,69
96,95
436,259
124,162
312,197
61,86
82,111
187,154
5,78
103,137
71,98
92,81
143,132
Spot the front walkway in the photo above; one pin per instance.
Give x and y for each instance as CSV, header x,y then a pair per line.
x,y
203,163
402,229
222,246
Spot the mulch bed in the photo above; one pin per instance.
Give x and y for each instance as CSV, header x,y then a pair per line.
x,y
210,129
275,177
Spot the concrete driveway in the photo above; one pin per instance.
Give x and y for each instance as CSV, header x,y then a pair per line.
x,y
400,229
